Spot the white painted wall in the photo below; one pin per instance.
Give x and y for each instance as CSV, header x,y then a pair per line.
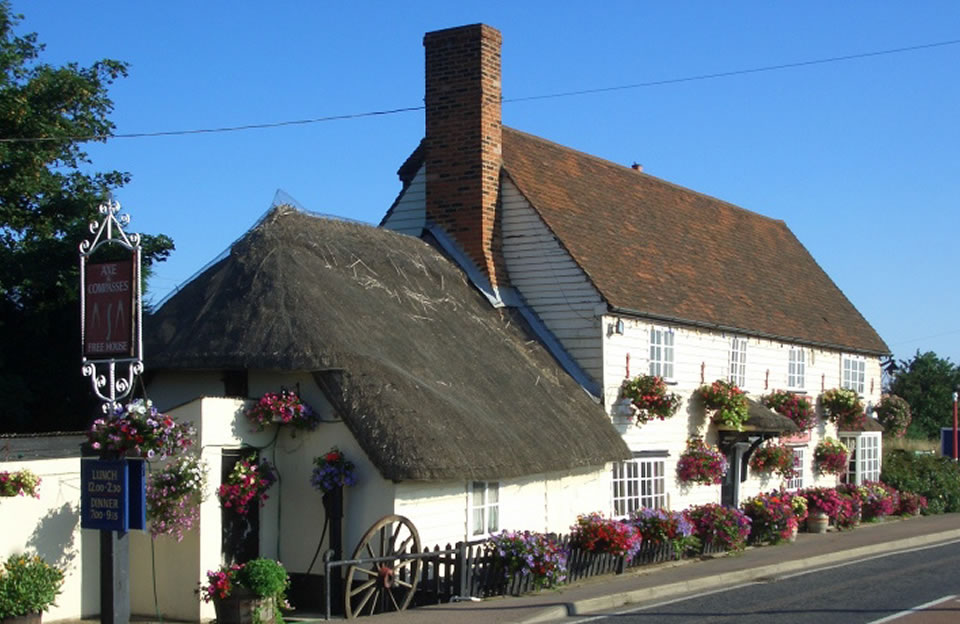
x,y
49,526
545,502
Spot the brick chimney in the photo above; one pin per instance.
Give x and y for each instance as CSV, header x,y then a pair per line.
x,y
463,151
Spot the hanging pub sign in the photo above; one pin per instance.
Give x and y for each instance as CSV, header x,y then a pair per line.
x,y
110,304
113,496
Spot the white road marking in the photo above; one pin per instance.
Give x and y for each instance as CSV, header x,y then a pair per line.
x,y
926,605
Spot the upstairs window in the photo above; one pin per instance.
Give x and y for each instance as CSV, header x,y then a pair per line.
x,y
484,507
661,352
797,368
738,361
854,373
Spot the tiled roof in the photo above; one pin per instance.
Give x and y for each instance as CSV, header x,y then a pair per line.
x,y
659,250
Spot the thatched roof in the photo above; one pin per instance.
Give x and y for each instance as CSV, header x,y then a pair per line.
x,y
433,382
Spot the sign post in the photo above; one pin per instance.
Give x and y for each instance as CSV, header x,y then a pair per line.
x,y
112,498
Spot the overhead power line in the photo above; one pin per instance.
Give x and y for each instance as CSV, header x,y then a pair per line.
x,y
407,109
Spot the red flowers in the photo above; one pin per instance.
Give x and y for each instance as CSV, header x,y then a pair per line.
x,y
650,398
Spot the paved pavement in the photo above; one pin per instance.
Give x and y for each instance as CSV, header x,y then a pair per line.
x,y
676,578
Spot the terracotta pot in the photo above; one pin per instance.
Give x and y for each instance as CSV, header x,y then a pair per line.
x,y
30,618
242,607
817,522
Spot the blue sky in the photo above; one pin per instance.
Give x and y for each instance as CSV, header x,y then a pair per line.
x,y
860,158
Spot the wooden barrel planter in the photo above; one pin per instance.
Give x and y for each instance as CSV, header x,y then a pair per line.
x,y
817,522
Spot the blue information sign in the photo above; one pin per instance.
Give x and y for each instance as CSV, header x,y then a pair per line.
x,y
113,494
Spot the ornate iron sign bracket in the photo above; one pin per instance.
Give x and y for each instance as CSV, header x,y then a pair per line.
x,y
111,309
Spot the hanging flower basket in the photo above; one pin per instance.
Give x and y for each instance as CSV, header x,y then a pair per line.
x,y
283,408
332,470
830,457
773,458
844,408
796,407
701,463
19,483
894,414
727,402
174,494
138,429
247,483
649,398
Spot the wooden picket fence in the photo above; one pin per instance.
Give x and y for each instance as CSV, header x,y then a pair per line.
x,y
471,569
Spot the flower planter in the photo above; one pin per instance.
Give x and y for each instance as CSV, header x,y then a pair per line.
x,y
793,535
30,618
817,522
243,607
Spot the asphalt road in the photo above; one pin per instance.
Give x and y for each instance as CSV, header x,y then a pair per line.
x,y
858,593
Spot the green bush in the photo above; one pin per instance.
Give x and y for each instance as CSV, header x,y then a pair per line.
x,y
936,478
27,585
265,577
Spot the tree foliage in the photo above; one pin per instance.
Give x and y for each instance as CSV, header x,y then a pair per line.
x,y
927,383
47,200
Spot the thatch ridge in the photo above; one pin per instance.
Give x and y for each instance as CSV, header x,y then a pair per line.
x,y
433,382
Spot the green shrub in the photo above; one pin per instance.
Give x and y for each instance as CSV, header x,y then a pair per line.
x,y
936,478
265,577
27,585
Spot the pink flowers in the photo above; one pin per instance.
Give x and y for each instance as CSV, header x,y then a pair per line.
x,y
773,457
20,483
285,408
830,456
174,494
139,429
701,463
796,407
248,482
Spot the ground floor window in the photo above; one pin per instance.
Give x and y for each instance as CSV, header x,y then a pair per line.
x,y
639,483
484,507
796,481
864,462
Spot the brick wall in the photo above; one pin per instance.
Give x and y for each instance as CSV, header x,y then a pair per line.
x,y
463,146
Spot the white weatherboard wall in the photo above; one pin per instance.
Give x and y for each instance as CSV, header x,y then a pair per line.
x,y
697,350
409,212
49,526
550,281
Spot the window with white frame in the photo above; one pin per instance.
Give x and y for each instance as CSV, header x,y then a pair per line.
x,y
484,507
639,483
864,462
661,352
796,481
738,361
797,368
854,373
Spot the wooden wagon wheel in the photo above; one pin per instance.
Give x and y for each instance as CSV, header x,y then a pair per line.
x,y
386,585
